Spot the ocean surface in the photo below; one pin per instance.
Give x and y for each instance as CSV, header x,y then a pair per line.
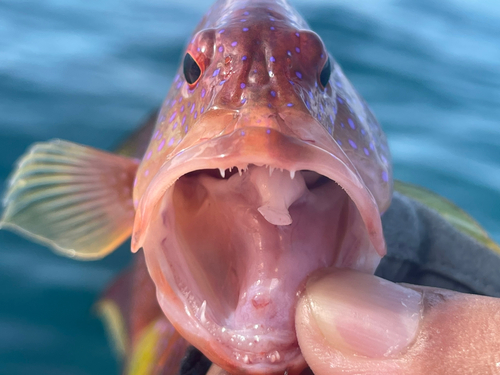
x,y
90,70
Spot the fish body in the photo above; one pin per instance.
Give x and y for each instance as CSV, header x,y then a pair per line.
x,y
264,166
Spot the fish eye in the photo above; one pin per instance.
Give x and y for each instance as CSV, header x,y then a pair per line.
x,y
192,70
324,76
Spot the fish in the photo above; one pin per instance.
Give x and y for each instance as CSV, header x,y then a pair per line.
x,y
264,165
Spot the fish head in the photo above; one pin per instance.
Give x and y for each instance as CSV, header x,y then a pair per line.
x,y
265,166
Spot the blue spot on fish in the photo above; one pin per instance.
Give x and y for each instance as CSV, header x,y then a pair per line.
x,y
351,123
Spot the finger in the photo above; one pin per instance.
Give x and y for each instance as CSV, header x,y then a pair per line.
x,y
216,370
353,323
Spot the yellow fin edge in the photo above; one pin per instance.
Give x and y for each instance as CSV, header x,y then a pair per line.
x,y
453,214
109,312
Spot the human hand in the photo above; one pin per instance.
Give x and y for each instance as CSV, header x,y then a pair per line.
x,y
353,323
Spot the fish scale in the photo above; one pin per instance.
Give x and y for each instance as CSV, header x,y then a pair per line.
x,y
262,54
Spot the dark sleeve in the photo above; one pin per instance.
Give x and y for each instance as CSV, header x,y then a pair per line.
x,y
424,249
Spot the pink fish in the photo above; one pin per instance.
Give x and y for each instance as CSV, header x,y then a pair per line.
x,y
264,166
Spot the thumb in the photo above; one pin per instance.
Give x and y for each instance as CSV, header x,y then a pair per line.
x,y
351,323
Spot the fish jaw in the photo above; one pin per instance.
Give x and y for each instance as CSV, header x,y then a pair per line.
x,y
228,279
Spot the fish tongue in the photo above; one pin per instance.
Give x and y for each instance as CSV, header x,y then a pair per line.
x,y
278,190
267,287
266,305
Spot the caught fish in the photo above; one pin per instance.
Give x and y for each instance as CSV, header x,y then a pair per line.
x,y
264,165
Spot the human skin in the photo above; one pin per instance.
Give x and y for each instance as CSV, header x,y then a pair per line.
x,y
353,323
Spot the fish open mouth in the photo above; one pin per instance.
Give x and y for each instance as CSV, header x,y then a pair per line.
x,y
232,235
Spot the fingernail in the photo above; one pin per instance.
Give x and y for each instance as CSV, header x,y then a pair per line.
x,y
363,314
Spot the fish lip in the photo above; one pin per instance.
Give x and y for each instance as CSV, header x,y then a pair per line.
x,y
302,154
242,147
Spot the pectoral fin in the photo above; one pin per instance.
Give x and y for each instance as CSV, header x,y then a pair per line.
x,y
75,199
449,211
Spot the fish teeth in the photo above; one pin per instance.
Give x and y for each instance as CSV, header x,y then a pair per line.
x,y
274,356
201,312
222,172
292,174
271,169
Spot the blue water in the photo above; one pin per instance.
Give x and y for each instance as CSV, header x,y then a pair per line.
x,y
89,71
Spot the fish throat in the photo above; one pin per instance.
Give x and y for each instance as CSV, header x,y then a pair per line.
x,y
234,245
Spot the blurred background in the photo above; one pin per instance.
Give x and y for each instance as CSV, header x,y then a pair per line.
x,y
90,70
